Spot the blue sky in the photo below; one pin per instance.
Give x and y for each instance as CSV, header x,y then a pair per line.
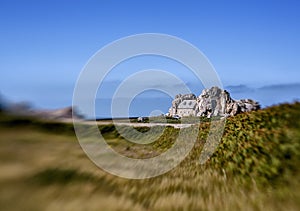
x,y
45,44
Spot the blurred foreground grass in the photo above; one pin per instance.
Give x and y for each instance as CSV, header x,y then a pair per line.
x,y
256,167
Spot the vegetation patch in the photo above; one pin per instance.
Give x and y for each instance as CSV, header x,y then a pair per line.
x,y
60,176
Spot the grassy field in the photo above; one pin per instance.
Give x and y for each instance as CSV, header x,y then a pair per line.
x,y
256,167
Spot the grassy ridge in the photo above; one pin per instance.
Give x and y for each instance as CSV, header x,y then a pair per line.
x,y
255,167
26,122
264,145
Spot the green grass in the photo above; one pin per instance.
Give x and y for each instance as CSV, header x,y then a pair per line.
x,y
255,167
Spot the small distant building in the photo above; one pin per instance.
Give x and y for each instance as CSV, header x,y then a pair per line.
x,y
187,108
141,119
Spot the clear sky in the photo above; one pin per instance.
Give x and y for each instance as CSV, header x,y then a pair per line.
x,y
45,44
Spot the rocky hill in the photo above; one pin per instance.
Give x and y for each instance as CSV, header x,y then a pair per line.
x,y
211,102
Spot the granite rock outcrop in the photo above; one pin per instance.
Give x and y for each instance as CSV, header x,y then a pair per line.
x,y
211,102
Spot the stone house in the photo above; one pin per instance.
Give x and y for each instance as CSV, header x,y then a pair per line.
x,y
187,108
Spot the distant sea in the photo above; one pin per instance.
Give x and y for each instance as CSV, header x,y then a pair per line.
x,y
140,106
267,95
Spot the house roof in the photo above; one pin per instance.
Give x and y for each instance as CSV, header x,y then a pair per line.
x,y
187,104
